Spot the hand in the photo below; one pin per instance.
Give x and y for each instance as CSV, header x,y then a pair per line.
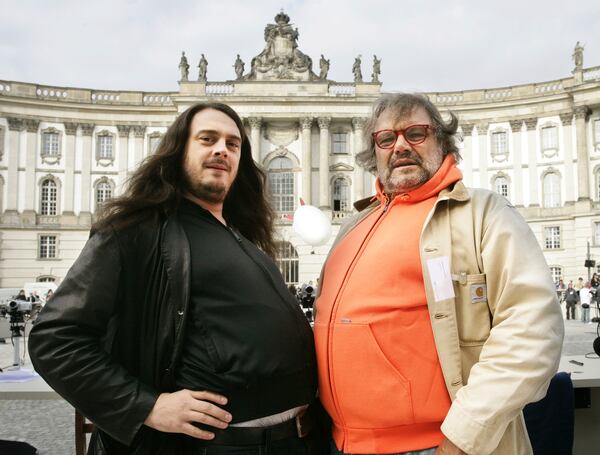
x,y
448,448
176,412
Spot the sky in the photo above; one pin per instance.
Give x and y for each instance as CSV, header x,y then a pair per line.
x,y
424,45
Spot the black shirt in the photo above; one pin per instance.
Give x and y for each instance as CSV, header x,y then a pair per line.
x,y
246,336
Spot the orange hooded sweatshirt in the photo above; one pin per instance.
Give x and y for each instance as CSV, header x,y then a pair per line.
x,y
379,374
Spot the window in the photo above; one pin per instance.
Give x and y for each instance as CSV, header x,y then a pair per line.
x,y
551,188
105,147
556,272
597,131
340,143
48,198
153,142
103,193
50,143
597,233
499,145
47,247
549,138
501,186
341,195
287,260
552,237
46,279
281,184
1,142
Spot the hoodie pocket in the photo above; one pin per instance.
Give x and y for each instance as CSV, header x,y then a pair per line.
x,y
369,390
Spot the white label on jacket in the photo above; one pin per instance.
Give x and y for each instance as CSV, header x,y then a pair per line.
x,y
441,278
478,293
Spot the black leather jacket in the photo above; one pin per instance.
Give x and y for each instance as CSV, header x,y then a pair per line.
x,y
113,331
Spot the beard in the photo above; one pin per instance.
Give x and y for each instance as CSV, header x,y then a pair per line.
x,y
398,180
211,192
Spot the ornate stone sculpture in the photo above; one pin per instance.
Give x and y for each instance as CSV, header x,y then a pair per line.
x,y
281,59
202,66
578,56
239,67
376,69
356,70
324,66
184,67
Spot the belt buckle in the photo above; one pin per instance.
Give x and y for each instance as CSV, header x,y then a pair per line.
x,y
299,427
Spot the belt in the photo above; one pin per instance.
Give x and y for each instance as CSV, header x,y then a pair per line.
x,y
298,427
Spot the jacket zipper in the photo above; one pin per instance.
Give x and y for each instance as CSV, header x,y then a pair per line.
x,y
335,306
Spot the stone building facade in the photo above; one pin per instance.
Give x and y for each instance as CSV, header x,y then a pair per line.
x,y
65,150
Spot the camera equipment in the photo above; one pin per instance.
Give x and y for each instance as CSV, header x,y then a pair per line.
x,y
308,299
19,312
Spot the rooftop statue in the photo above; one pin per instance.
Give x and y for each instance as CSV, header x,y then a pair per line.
x,y
356,70
376,69
202,67
239,67
281,59
578,56
184,67
324,67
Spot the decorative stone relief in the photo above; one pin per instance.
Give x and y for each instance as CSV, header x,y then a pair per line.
x,y
281,134
306,123
531,123
566,118
70,128
516,125
123,130
324,122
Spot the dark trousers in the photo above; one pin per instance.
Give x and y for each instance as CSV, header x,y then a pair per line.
x,y
293,445
570,310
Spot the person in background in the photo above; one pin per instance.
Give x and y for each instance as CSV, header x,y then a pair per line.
x,y
585,297
571,300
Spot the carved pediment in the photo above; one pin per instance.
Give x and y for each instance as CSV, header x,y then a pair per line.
x,y
281,59
338,167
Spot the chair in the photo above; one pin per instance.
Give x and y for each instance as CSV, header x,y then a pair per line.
x,y
81,429
551,421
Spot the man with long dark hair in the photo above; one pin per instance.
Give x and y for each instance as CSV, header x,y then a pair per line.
x,y
174,332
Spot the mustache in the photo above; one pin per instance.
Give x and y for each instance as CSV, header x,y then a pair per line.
x,y
407,155
218,162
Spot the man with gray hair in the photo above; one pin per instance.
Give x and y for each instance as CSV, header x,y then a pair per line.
x,y
437,319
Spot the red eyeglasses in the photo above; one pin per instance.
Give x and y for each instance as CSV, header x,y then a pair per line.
x,y
414,135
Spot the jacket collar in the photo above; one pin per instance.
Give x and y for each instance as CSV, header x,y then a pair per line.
x,y
456,192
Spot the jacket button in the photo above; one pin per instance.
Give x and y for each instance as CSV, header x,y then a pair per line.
x,y
180,312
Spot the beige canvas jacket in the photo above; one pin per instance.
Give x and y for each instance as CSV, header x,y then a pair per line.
x,y
499,339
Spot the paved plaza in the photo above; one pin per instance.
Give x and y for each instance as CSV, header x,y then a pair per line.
x,y
49,424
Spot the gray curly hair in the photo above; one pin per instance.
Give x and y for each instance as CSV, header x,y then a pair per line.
x,y
403,104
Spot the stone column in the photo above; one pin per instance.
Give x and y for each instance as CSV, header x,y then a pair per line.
x,y
255,125
15,126
123,162
306,125
139,132
534,181
87,130
583,177
32,127
567,122
516,192
482,129
359,173
324,140
467,153
69,183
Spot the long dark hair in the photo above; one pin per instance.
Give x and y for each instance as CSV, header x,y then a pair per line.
x,y
157,186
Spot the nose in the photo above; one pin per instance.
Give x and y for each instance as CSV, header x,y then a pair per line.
x,y
401,144
220,147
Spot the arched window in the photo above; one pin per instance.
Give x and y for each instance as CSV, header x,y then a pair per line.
x,y
281,184
103,192
551,188
287,261
501,185
341,195
48,198
597,175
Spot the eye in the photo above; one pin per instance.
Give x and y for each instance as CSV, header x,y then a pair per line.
x,y
233,145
